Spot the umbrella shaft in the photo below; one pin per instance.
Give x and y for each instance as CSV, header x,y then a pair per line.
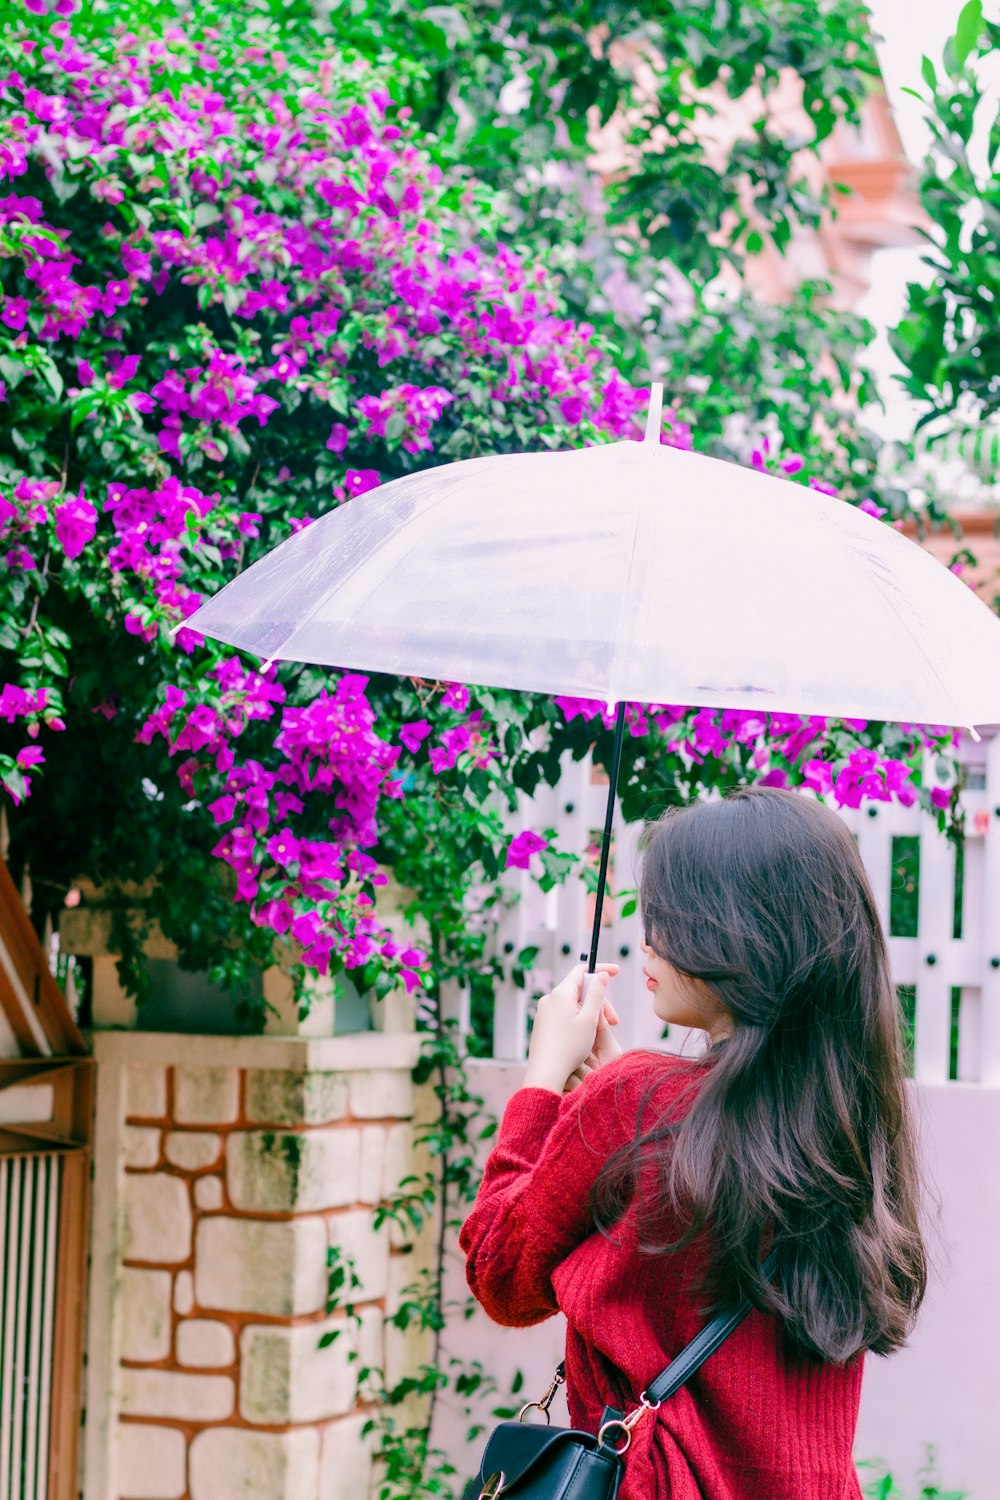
x,y
609,818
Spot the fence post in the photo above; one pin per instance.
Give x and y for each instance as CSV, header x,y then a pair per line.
x,y
510,1003
875,847
572,816
455,1002
989,1070
935,925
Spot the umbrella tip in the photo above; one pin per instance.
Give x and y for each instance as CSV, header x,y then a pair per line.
x,y
974,735
655,413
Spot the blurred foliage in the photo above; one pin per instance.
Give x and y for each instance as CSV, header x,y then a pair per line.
x,y
516,95
949,338
517,91
742,371
879,1484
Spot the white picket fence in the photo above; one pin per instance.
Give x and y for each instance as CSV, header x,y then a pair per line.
x,y
935,963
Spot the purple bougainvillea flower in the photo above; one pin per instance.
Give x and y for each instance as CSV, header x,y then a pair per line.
x,y
123,372
277,915
775,777
359,481
456,696
223,809
412,735
818,774
76,523
14,312
31,755
522,847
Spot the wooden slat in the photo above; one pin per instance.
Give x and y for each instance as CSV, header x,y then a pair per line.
x,y
71,1081
39,1295
23,1252
30,1140
52,1292
10,1190
28,962
18,1070
30,1039
67,1346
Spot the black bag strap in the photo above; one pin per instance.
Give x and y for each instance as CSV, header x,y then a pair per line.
x,y
694,1355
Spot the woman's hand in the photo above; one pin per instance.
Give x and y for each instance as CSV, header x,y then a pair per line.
x,y
606,1048
571,1037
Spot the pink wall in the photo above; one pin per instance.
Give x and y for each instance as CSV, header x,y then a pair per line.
x,y
944,1389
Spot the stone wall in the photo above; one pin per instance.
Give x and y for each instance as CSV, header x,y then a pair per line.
x,y
225,1168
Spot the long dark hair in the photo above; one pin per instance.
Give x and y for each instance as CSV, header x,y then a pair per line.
x,y
798,1132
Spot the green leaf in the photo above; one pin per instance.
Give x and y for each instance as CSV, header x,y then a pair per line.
x,y
929,74
15,783
967,31
49,372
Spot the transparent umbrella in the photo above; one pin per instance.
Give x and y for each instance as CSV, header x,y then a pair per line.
x,y
628,572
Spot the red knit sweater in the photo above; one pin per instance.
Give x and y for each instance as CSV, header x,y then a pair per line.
x,y
755,1423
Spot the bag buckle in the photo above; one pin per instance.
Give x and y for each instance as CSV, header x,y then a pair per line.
x,y
625,1425
493,1486
542,1405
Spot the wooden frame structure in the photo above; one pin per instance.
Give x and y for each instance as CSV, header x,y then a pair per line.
x,y
46,1125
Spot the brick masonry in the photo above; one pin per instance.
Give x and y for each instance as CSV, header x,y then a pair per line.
x,y
236,1182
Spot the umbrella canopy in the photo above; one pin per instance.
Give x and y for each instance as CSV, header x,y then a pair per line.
x,y
631,572
626,572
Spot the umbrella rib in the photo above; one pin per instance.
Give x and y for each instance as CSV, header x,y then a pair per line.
x,y
616,754
619,648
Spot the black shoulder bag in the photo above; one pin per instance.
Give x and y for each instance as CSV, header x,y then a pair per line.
x,y
530,1462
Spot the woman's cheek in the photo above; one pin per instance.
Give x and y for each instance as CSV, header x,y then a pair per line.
x,y
673,1005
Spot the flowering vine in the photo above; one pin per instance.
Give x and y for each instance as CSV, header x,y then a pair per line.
x,y
238,289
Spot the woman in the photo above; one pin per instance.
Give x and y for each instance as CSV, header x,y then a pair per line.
x,y
638,1193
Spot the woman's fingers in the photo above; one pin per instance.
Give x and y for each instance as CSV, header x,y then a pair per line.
x,y
576,1078
566,1026
606,1045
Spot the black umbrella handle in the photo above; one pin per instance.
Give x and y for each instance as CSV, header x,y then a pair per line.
x,y
609,818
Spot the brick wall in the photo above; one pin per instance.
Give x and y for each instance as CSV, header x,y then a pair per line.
x,y
224,1169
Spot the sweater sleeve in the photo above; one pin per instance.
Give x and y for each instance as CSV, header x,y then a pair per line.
x,y
533,1206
